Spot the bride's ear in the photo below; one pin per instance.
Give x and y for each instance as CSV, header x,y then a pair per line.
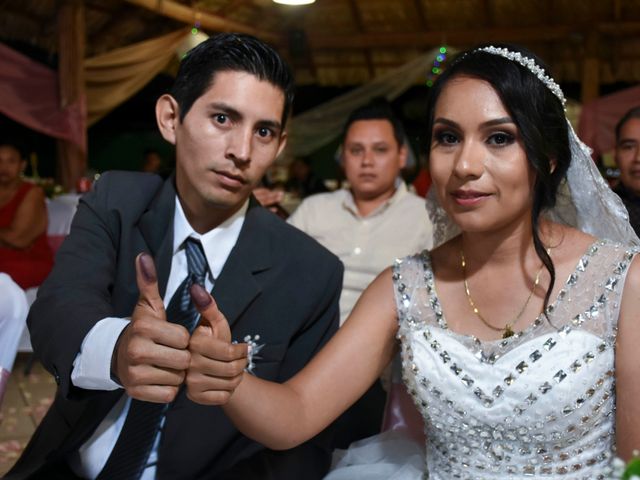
x,y
552,165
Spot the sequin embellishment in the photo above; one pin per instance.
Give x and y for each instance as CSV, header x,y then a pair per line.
x,y
548,410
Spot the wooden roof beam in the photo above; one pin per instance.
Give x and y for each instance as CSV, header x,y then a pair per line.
x,y
420,14
27,16
427,39
617,10
188,15
230,7
462,37
72,161
619,29
488,13
357,18
113,23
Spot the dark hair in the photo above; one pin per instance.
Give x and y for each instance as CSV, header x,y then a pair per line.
x,y
633,113
230,52
17,147
377,109
539,116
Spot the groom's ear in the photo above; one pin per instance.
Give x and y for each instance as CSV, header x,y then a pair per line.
x,y
167,117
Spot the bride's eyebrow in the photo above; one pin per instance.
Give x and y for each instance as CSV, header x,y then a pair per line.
x,y
497,121
488,123
446,121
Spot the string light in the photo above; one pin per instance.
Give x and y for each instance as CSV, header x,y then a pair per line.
x,y
438,62
196,37
196,27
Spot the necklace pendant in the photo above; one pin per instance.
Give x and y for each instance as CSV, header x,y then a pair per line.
x,y
508,332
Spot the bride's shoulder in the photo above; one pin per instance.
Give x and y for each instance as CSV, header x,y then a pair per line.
x,y
568,244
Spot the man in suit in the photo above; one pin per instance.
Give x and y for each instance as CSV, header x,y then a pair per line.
x,y
113,324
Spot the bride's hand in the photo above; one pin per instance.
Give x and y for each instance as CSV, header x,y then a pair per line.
x,y
217,365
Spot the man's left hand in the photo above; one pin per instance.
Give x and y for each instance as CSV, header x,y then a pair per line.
x,y
217,365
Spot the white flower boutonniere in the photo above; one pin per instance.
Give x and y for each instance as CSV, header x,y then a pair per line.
x,y
253,352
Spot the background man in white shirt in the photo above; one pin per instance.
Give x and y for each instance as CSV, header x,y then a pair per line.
x,y
627,157
368,226
116,327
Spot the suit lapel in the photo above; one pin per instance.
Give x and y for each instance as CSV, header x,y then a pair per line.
x,y
236,287
156,227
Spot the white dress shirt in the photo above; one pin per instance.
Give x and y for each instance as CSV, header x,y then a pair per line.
x,y
366,245
92,366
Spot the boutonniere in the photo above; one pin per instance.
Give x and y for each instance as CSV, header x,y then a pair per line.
x,y
253,352
629,470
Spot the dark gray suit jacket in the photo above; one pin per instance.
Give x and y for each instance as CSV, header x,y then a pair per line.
x,y
277,282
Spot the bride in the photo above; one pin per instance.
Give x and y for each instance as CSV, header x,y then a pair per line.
x,y
518,333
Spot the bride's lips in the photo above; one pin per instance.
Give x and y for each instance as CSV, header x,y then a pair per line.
x,y
230,180
469,197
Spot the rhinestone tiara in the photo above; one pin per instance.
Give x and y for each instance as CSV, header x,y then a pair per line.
x,y
529,64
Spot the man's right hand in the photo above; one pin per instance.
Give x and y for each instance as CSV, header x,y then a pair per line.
x,y
151,356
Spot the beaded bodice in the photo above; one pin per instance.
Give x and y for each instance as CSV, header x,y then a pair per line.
x,y
539,404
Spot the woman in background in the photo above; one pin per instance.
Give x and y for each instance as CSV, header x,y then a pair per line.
x,y
24,252
25,257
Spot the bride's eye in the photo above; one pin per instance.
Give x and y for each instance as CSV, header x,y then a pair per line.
x,y
446,138
501,139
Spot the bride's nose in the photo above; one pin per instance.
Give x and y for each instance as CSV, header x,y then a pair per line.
x,y
470,160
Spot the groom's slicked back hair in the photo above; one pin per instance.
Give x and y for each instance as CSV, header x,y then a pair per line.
x,y
230,52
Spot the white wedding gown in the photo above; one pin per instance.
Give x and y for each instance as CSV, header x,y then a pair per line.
x,y
540,404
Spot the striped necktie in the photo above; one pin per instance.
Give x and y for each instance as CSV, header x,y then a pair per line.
x,y
129,456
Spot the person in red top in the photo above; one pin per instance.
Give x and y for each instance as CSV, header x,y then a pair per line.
x,y
24,252
25,257
422,182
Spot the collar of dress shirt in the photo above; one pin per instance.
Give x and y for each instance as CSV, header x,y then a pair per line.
x,y
350,204
217,243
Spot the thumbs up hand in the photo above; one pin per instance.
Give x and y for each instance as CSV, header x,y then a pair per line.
x,y
217,365
151,357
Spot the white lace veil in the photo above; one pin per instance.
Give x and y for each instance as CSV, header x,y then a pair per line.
x,y
584,199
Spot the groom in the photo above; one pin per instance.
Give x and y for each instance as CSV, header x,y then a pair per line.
x,y
113,325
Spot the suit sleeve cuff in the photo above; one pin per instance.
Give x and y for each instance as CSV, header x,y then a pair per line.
x,y
92,366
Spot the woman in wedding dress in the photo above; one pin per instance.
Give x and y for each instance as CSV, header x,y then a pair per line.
x,y
518,333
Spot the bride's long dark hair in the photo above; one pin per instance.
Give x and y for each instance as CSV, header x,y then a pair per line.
x,y
539,116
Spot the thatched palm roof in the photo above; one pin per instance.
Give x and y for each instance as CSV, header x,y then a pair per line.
x,y
347,42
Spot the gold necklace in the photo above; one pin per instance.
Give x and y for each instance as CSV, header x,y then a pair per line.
x,y
507,330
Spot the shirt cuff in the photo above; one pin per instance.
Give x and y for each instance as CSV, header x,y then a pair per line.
x,y
92,366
